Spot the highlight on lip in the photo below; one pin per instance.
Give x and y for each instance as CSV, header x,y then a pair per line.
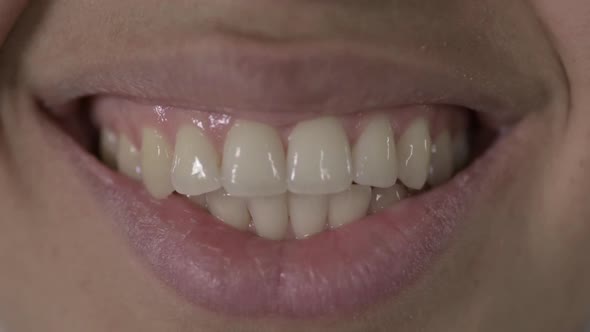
x,y
287,181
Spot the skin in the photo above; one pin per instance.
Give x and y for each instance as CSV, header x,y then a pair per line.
x,y
519,264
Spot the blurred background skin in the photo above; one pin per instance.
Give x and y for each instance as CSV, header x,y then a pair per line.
x,y
568,26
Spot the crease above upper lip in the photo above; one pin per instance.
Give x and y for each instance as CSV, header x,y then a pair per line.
x,y
235,75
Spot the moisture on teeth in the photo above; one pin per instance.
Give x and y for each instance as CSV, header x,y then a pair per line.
x,y
308,214
156,162
441,162
385,197
229,209
414,154
319,158
374,154
129,159
270,216
349,205
253,161
196,163
108,147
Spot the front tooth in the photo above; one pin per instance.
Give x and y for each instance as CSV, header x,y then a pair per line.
x,y
374,156
253,161
270,216
441,164
229,209
319,158
308,214
108,147
414,154
460,150
156,162
196,163
129,159
349,205
384,198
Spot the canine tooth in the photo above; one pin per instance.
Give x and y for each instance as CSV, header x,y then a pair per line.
x,y
253,161
441,162
319,158
129,159
374,155
196,163
229,209
460,150
156,162
414,154
200,200
270,216
308,214
385,197
108,147
349,205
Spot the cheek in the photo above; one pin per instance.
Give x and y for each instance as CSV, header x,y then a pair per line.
x,y
9,12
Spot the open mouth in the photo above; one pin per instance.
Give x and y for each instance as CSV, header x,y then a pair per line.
x,y
298,212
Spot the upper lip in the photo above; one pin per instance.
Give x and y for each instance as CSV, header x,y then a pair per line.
x,y
232,74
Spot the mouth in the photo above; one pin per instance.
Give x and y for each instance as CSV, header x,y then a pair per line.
x,y
295,183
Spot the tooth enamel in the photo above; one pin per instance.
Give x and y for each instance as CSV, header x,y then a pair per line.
x,y
128,159
441,162
200,200
253,161
349,205
229,209
460,150
374,156
414,154
108,147
319,158
384,198
308,214
156,162
196,163
270,216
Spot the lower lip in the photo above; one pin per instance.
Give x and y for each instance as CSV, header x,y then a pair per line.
x,y
335,273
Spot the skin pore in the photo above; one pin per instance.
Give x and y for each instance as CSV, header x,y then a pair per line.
x,y
518,263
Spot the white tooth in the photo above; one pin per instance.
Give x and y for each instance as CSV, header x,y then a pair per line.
x,y
441,162
129,159
414,154
308,214
384,198
270,216
156,162
319,158
200,200
460,150
349,205
108,147
196,163
253,161
374,156
229,209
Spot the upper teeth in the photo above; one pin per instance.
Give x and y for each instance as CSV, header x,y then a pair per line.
x,y
309,183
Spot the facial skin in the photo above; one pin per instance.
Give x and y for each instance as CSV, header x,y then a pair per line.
x,y
519,263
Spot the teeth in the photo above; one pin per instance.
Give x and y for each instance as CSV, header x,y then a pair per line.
x,y
349,205
374,156
414,154
460,150
308,214
200,200
229,209
253,161
384,198
196,163
156,162
108,147
319,158
129,159
270,216
441,164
